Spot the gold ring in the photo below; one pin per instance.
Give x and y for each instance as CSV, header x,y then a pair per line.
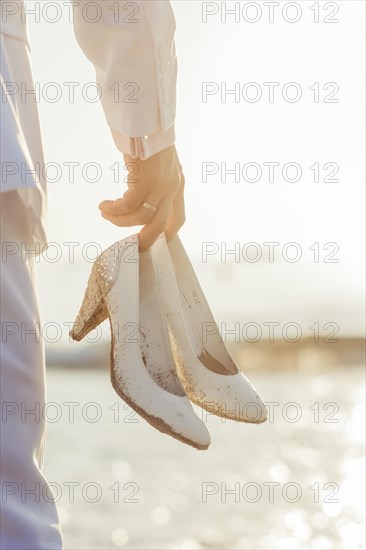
x,y
149,206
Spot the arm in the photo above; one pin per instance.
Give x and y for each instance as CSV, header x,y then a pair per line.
x,y
131,45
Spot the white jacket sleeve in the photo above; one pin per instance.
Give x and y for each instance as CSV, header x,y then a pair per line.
x,y
131,45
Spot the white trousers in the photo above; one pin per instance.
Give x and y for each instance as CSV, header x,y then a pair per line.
x,y
29,519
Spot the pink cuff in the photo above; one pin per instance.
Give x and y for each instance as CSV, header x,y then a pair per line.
x,y
144,147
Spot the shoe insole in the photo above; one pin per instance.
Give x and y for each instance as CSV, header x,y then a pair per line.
x,y
153,331
213,354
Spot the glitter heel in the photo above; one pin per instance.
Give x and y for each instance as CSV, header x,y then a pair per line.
x,y
94,309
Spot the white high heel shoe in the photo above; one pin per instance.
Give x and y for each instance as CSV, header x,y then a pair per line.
x,y
122,286
208,373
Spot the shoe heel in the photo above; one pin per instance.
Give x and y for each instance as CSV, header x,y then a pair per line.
x,y
93,310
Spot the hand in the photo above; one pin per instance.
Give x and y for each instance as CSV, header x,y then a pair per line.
x,y
158,181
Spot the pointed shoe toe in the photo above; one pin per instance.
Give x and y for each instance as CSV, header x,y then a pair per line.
x,y
207,371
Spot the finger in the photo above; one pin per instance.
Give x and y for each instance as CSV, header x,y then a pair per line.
x,y
134,197
120,208
141,217
177,216
131,201
105,205
114,208
166,191
150,232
